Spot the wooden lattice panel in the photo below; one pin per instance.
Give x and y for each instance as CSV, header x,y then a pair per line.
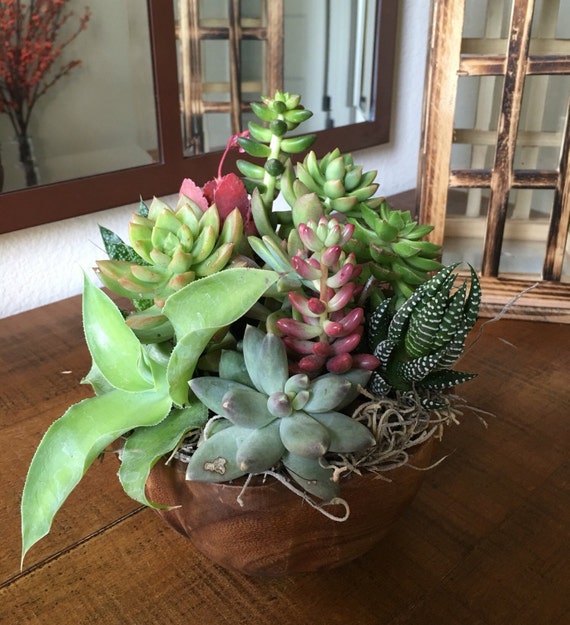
x,y
192,30
513,59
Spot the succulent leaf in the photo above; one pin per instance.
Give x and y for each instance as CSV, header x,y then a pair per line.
x,y
246,407
304,436
261,449
326,392
311,476
210,390
215,460
346,434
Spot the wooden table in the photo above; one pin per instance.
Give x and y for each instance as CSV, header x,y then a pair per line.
x,y
487,540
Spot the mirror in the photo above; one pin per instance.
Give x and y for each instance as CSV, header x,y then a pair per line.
x,y
134,144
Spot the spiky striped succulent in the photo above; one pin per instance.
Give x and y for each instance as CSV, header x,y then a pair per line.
x,y
418,345
268,418
174,247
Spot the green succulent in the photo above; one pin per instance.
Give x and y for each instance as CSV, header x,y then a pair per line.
x,y
390,243
341,185
265,417
418,345
268,140
187,362
174,247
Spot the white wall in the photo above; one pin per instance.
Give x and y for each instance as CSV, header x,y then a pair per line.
x,y
44,264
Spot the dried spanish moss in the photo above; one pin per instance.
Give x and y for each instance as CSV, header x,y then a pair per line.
x,y
399,424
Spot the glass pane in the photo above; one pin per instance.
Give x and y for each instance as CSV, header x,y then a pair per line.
x,y
252,69
526,231
215,66
543,111
476,113
465,226
550,27
101,115
486,26
212,10
217,131
253,10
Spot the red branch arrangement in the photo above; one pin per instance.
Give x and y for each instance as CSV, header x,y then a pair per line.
x,y
29,48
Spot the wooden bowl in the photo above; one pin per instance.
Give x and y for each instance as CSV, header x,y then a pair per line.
x,y
276,533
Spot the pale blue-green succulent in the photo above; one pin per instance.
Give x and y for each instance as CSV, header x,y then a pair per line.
x,y
268,418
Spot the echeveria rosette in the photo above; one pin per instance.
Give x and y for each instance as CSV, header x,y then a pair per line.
x,y
264,418
418,345
175,247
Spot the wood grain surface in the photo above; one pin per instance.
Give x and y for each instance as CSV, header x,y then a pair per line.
x,y
486,541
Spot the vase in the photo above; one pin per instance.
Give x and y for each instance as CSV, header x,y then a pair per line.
x,y
19,163
275,532
27,159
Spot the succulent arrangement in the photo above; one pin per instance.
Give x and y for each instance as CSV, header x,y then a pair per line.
x,y
254,335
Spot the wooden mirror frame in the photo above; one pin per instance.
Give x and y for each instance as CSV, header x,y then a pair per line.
x,y
43,204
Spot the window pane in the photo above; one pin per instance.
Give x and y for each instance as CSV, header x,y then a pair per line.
x,y
475,124
543,111
487,20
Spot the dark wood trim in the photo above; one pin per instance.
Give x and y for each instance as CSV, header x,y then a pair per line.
x,y
44,204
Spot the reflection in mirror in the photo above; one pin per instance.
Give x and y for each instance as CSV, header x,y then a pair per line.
x,y
100,117
125,99
232,53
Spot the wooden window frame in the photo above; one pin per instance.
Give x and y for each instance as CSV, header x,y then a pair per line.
x,y
548,298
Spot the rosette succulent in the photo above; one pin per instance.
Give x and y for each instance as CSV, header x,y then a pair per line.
x,y
267,417
171,249
392,248
341,185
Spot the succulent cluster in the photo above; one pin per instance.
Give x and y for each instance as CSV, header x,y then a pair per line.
x,y
281,114
392,248
268,417
254,329
341,185
320,322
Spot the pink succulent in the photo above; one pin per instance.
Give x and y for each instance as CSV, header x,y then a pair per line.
x,y
226,192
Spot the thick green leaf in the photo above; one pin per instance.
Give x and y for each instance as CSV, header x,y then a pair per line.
x,y
217,300
115,349
312,476
71,445
346,434
261,450
215,458
200,309
145,446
